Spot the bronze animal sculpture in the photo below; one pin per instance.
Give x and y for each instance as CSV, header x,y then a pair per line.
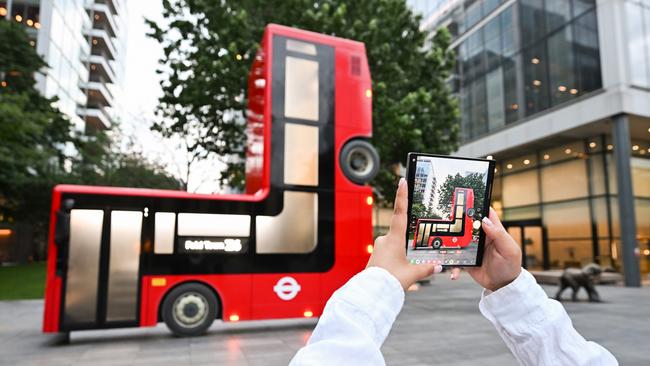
x,y
577,278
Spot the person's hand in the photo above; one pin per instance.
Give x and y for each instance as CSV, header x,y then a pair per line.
x,y
501,257
390,250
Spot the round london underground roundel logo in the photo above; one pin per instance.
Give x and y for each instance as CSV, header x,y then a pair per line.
x,y
286,288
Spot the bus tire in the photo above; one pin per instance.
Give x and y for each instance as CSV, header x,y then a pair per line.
x,y
359,161
470,212
437,243
189,309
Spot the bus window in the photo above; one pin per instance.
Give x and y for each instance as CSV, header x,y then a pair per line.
x,y
459,212
301,89
302,47
457,226
300,213
217,225
81,289
165,224
126,230
300,154
427,233
421,232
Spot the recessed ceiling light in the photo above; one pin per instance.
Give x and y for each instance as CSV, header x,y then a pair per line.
x,y
635,147
509,166
526,162
547,156
489,157
592,144
567,151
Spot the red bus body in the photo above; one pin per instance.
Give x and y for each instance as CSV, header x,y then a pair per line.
x,y
457,232
249,285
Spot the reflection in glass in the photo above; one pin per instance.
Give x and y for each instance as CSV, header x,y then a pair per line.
x,y
567,220
564,181
570,253
301,89
520,189
301,154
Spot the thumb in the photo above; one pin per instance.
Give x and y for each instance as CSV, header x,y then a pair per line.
x,y
495,231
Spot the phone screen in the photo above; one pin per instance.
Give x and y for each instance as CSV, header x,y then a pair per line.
x,y
448,198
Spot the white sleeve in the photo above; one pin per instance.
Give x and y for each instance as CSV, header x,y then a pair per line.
x,y
537,329
355,322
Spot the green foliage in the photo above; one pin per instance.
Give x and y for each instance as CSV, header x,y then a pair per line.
x,y
472,180
33,133
208,52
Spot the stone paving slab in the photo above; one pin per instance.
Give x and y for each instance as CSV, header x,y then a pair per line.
x,y
440,325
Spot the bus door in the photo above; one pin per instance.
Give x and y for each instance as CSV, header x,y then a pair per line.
x,y
101,257
303,114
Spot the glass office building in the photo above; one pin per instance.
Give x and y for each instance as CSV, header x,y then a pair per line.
x,y
558,92
84,44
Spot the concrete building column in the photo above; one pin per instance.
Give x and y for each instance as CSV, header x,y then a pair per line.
x,y
627,218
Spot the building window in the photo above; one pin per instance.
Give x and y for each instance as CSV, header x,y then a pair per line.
x,y
638,33
532,56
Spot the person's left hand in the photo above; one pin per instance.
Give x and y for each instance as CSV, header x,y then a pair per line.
x,y
390,250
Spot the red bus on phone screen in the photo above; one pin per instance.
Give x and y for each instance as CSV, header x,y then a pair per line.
x,y
125,257
457,232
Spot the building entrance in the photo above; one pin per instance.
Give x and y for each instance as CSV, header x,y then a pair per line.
x,y
531,235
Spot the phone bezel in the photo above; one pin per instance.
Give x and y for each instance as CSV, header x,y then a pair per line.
x,y
410,178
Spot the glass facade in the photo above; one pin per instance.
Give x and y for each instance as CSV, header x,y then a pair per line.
x,y
524,59
569,192
637,15
66,54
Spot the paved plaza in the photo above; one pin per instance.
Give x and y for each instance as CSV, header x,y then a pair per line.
x,y
440,325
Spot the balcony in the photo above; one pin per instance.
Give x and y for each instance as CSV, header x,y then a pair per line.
x,y
103,18
114,6
95,116
102,43
98,94
99,66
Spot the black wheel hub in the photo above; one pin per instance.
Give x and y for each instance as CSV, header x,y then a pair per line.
x,y
190,310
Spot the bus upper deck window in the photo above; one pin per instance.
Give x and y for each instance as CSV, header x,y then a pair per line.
x,y
301,89
302,47
301,154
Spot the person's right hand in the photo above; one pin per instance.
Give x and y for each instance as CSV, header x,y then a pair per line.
x,y
501,257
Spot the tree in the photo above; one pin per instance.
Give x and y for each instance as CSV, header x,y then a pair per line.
x,y
208,51
33,133
39,147
476,181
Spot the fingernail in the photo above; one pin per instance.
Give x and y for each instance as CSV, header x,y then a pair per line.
x,y
402,181
437,269
487,222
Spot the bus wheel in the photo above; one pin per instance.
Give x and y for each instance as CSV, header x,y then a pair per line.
x,y
189,309
470,212
437,243
359,161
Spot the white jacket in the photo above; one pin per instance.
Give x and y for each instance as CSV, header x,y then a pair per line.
x,y
358,317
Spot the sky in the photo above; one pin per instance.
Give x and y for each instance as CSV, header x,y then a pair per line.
x,y
141,92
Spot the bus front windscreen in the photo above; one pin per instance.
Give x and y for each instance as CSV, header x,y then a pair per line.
x,y
448,197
